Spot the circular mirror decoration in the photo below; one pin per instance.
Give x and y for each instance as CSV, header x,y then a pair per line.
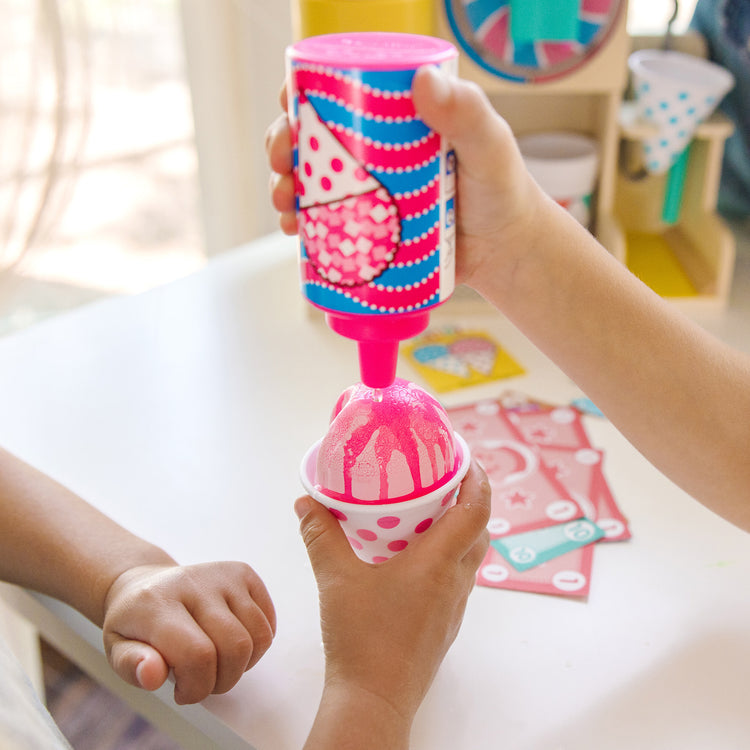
x,y
518,41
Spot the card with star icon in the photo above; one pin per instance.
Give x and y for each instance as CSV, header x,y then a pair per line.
x,y
546,477
526,495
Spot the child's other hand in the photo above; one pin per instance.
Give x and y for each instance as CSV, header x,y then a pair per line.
x,y
279,152
209,623
387,627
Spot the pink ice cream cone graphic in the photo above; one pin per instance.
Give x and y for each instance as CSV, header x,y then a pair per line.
x,y
478,353
348,220
439,357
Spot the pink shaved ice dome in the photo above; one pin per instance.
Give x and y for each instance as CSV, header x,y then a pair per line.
x,y
391,444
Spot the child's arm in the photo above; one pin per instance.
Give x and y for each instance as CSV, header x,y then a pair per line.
x,y
206,622
679,395
387,627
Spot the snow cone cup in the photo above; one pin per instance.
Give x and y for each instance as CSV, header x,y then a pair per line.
x,y
675,92
379,530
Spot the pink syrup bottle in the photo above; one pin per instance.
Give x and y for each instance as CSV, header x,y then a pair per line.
x,y
375,189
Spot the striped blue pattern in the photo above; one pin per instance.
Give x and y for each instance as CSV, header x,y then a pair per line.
x,y
382,132
331,299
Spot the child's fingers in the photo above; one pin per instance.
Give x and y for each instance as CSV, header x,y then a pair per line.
x,y
233,643
282,192
258,598
283,200
460,112
183,646
194,661
279,145
282,189
327,545
288,222
474,557
137,663
258,623
463,526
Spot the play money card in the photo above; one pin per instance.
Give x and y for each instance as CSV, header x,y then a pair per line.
x,y
524,551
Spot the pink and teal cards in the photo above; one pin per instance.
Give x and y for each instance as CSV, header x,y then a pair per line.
x,y
550,500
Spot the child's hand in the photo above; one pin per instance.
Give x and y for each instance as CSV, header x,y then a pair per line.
x,y
209,623
387,627
279,152
497,200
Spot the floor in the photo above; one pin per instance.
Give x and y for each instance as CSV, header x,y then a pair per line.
x,y
90,717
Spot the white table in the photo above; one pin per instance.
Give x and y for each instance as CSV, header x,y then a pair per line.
x,y
183,414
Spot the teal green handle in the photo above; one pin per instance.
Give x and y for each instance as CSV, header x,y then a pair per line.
x,y
670,212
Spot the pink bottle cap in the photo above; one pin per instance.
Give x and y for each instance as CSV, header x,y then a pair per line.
x,y
378,337
373,50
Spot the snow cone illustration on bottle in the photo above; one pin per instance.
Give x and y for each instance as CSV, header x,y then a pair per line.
x,y
375,189
350,223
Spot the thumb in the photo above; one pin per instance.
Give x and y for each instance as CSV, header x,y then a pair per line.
x,y
137,663
461,112
327,545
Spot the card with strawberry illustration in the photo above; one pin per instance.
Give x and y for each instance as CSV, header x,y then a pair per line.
x,y
449,358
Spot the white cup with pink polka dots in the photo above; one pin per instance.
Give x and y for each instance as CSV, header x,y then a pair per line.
x,y
377,531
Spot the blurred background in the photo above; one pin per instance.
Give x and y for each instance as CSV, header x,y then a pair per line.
x,y
100,186
131,140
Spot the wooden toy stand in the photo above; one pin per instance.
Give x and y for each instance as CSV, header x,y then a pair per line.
x,y
690,261
586,101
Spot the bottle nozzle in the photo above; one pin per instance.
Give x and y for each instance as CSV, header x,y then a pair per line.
x,y
377,362
378,337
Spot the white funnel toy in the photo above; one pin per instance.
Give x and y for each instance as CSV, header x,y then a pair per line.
x,y
675,92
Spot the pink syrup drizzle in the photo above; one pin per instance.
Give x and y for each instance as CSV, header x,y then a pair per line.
x,y
399,418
